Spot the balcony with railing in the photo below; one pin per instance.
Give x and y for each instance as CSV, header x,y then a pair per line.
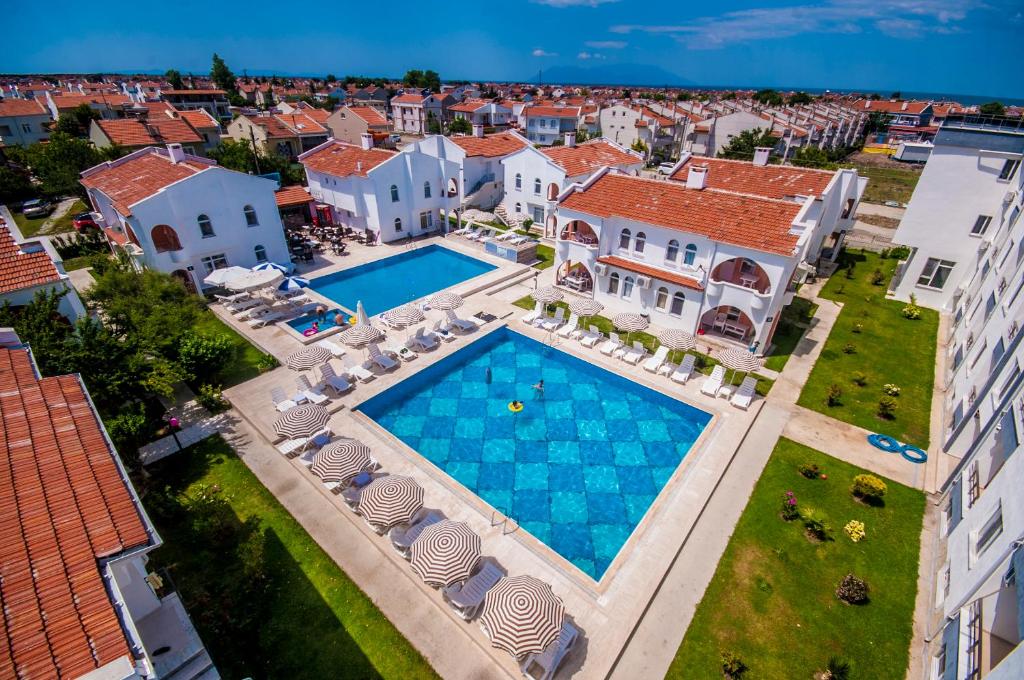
x,y
744,273
579,232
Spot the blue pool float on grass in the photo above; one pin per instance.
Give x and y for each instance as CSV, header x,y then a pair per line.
x,y
891,445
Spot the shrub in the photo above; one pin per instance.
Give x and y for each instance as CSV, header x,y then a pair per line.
x,y
892,389
855,530
211,398
857,328
265,363
204,356
859,378
837,669
877,277
129,429
868,487
732,665
884,254
852,590
900,252
790,509
809,470
834,395
887,407
849,348
816,523
912,311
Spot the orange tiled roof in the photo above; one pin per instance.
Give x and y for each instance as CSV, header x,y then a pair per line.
x,y
748,221
588,157
70,101
408,99
301,123
469,106
293,195
199,119
155,108
653,272
371,115
274,128
490,146
342,160
913,108
196,91
20,270
130,179
21,107
66,506
155,130
770,181
319,115
552,111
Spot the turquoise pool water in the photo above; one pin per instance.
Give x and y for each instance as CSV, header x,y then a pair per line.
x,y
396,280
577,468
303,323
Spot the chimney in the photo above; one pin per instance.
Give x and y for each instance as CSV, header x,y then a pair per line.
x,y
176,153
359,166
478,130
366,141
570,139
761,154
903,107
697,177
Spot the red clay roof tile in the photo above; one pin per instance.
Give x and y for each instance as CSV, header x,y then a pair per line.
x,y
490,146
653,272
770,181
19,270
590,156
342,160
130,179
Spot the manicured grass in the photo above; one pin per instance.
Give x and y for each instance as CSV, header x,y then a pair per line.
x,y
64,223
889,349
888,184
704,364
792,326
772,600
81,262
545,255
318,623
28,226
245,362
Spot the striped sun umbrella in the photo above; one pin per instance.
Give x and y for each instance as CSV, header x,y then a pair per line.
x,y
271,266
341,460
360,334
406,315
522,615
676,338
547,295
630,323
301,421
446,301
390,499
292,283
445,553
739,360
308,357
585,307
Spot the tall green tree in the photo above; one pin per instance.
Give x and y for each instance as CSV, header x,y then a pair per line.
x,y
432,80
239,155
460,125
58,163
222,76
329,78
742,145
413,78
799,98
768,97
811,157
76,121
993,109
174,78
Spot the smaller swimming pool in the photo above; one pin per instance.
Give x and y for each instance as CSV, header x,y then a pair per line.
x,y
393,281
303,323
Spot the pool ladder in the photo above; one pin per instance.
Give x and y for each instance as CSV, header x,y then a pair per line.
x,y
507,522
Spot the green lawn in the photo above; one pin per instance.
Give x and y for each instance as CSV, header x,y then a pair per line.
x,y
888,184
316,623
792,326
545,255
28,226
889,349
705,363
31,226
245,362
772,600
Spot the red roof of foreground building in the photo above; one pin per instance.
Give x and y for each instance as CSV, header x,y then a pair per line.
x,y
490,146
293,195
770,181
155,130
342,160
19,269
301,123
371,115
137,176
586,158
199,119
21,107
65,506
653,272
747,221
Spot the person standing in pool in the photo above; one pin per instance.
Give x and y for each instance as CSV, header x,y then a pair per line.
x,y
321,313
539,388
339,319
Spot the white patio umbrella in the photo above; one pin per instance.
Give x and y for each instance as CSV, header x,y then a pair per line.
x,y
522,615
361,317
301,421
253,280
446,301
445,553
547,295
739,360
630,323
218,277
404,316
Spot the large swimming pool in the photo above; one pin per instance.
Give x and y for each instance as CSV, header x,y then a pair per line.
x,y
396,280
577,468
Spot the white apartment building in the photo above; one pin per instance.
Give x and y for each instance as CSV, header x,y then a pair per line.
x,y
628,124
969,189
31,265
392,194
481,112
547,124
534,178
184,214
412,112
479,157
23,122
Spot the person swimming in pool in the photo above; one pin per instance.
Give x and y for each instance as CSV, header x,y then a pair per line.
x,y
539,388
516,405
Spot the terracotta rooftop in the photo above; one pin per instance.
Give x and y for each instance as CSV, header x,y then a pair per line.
x,y
410,98
199,119
342,160
293,195
490,146
319,115
552,111
469,106
137,176
301,123
913,108
653,272
274,128
70,101
155,130
20,269
177,93
583,159
747,221
66,506
156,108
21,107
371,115
769,181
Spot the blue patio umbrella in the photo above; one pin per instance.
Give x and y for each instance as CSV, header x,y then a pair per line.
x,y
263,266
292,283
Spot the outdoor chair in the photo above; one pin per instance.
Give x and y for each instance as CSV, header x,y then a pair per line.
x,y
401,351
332,347
569,327
467,598
380,359
333,380
551,323
442,331
634,354
654,364
745,394
532,316
354,370
313,395
684,370
461,324
713,382
402,537
613,344
281,402
549,660
423,339
591,336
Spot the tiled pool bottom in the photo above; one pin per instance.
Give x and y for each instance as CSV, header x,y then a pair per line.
x,y
577,468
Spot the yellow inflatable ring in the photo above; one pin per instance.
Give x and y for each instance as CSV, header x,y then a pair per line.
x,y
514,407
352,320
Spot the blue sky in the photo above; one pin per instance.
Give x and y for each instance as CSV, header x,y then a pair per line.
x,y
945,46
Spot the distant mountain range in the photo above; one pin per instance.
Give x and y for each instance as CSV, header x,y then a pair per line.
x,y
611,74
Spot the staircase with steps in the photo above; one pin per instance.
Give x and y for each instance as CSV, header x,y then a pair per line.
x,y
502,214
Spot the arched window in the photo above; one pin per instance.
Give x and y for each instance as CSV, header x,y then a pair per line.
x,y
689,255
250,216
677,304
519,208
205,226
613,284
398,224
453,187
627,287
661,299
426,190
261,253
519,180
624,237
164,238
672,252
639,243
394,193
536,185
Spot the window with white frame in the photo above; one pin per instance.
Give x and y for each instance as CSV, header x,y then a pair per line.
x,y
205,226
935,273
627,287
394,193
981,225
519,181
989,532
211,262
613,284
536,185
426,219
677,304
261,253
426,189
690,255
251,220
398,224
639,243
1009,167
661,299
672,251
624,238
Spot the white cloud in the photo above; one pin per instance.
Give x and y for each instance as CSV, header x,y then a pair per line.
x,y
589,55
543,53
606,44
897,18
573,3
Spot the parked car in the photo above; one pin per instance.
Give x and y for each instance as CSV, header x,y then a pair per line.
x,y
395,138
84,222
37,207
666,168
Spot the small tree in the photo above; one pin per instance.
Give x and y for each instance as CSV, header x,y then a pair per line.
x,y
460,125
76,121
221,75
811,157
993,109
852,590
174,78
742,145
799,98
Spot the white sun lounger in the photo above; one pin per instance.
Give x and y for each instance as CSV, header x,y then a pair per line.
x,y
245,305
634,354
684,370
463,230
423,340
442,331
655,362
281,402
612,345
461,324
713,382
569,326
486,237
467,599
379,358
332,347
358,372
530,317
333,380
506,236
402,537
552,322
312,394
590,337
264,319
231,299
292,447
549,660
745,394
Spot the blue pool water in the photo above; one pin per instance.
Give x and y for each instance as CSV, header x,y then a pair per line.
x,y
303,323
396,280
578,467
